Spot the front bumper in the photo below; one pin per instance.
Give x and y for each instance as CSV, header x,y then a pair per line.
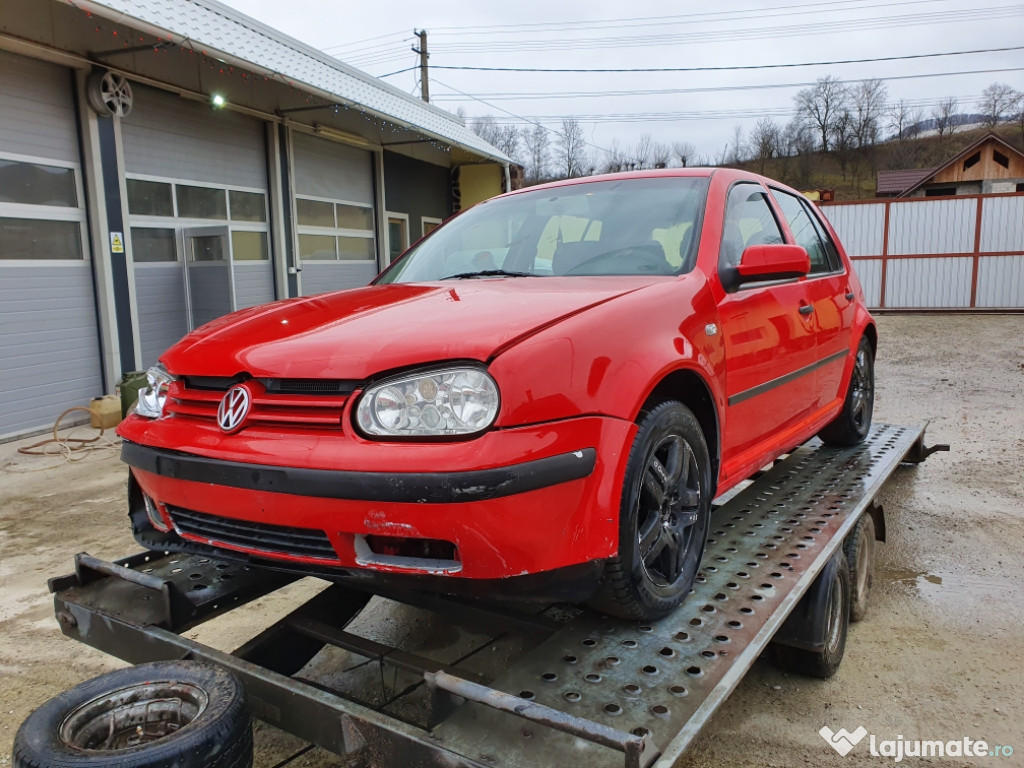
x,y
511,503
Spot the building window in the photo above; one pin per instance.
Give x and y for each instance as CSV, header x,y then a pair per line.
x,y
940,192
318,247
249,246
153,245
429,224
150,198
334,230
314,213
972,161
41,217
36,184
36,239
1000,158
248,206
201,202
398,235
151,202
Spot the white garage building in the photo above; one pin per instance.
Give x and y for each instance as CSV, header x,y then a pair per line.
x,y
165,162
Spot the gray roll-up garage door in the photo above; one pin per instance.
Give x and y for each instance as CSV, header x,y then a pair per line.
x,y
194,172
334,214
49,345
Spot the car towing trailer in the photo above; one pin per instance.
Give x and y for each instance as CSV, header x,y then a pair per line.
x,y
560,686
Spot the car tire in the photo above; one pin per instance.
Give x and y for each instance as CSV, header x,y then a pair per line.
x,y
663,520
180,714
825,662
860,555
853,422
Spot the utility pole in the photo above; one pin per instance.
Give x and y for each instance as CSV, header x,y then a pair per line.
x,y
422,51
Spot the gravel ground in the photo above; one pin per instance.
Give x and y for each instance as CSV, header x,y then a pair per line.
x,y
938,657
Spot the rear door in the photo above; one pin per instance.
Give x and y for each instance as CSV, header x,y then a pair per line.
x,y
768,332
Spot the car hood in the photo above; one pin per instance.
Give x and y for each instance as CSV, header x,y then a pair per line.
x,y
358,333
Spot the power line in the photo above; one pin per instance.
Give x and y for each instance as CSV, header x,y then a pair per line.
x,y
730,68
728,35
576,25
365,40
537,96
400,71
512,114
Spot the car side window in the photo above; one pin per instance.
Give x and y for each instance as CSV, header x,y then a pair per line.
x,y
748,221
830,246
804,230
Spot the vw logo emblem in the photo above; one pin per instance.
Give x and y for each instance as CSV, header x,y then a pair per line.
x,y
234,408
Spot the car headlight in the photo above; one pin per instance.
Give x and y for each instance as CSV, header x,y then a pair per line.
x,y
152,398
449,401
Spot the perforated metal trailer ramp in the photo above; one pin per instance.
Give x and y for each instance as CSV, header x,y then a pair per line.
x,y
589,690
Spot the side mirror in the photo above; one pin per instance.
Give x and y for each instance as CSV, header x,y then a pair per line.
x,y
773,262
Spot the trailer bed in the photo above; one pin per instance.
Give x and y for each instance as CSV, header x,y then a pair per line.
x,y
550,686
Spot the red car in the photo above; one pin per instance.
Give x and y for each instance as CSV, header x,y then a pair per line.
x,y
540,399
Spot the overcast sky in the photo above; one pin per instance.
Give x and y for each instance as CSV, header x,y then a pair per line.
x,y
697,107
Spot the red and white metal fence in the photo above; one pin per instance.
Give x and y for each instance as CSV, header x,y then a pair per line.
x,y
963,252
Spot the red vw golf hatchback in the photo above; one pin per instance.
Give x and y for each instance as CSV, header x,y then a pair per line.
x,y
540,399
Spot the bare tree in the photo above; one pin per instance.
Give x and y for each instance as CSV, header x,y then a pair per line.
x,y
738,147
615,158
904,120
571,149
844,139
944,114
765,142
642,152
1018,110
536,146
997,104
684,152
821,105
798,145
660,155
504,137
867,104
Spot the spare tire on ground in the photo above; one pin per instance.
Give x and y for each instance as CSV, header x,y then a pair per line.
x,y
180,714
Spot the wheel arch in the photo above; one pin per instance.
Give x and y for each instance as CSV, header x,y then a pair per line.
x,y
871,332
689,387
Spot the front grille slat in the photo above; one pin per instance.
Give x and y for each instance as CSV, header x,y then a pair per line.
x,y
198,399
263,537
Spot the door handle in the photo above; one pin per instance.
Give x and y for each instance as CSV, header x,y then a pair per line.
x,y
806,309
849,296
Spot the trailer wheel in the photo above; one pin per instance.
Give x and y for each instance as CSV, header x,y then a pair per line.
x,y
663,517
179,714
860,555
823,663
852,424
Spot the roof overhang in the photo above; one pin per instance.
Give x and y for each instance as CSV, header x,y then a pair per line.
x,y
238,40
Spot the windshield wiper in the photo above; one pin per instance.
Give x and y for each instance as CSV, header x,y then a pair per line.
x,y
488,273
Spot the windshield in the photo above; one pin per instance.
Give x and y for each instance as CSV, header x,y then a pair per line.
x,y
622,227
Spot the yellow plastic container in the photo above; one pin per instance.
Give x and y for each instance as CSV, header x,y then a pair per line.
x,y
105,412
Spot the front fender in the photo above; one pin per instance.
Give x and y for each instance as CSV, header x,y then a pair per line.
x,y
610,359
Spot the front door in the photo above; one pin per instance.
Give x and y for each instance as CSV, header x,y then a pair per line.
x,y
769,334
209,274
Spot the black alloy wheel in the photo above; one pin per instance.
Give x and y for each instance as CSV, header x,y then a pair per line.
x,y
853,422
668,508
663,518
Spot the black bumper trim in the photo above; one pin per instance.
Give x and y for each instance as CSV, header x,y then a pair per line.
x,y
406,487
